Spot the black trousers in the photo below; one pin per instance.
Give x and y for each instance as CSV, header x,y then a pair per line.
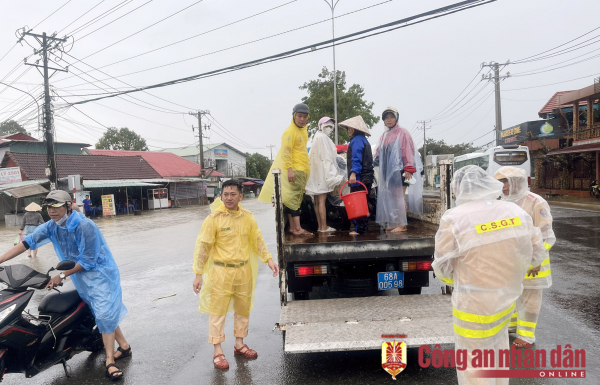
x,y
361,225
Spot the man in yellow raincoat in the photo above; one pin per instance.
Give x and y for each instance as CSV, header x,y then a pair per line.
x,y
226,254
292,159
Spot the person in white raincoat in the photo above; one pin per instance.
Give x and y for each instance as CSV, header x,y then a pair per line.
x,y
325,175
484,246
515,190
395,157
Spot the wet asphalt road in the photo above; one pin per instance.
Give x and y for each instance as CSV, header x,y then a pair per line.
x,y
169,337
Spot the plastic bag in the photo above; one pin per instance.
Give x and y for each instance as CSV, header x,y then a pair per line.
x,y
18,240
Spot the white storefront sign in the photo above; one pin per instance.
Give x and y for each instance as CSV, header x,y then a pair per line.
x,y
10,175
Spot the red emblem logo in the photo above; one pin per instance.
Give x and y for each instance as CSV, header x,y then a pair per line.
x,y
393,357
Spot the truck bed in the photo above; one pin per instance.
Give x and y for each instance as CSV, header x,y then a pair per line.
x,y
339,245
358,323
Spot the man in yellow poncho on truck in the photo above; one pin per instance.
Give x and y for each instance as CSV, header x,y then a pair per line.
x,y
292,160
226,266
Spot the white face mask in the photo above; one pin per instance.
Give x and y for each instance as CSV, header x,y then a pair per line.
x,y
327,130
62,220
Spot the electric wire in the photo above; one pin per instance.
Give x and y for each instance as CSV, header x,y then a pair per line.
x,y
374,31
223,49
552,49
79,18
47,17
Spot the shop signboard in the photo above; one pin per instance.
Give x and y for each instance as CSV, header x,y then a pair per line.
x,y
545,129
108,205
10,175
220,153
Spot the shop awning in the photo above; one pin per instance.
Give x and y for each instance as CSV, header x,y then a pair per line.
x,y
117,183
574,149
24,188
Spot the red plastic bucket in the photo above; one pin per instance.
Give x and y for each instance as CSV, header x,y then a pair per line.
x,y
355,203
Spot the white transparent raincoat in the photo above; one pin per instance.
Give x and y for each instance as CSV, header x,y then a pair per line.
x,y
395,152
484,246
524,320
324,172
414,192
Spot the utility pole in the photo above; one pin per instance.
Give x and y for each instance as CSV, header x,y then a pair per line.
x,y
424,128
270,146
199,114
48,43
496,79
332,4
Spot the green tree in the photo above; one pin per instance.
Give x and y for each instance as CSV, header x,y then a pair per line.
x,y
11,127
121,139
437,147
351,102
257,166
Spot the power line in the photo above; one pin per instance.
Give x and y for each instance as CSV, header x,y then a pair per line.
x,y
402,23
552,49
47,17
109,23
219,50
79,18
141,30
552,84
486,97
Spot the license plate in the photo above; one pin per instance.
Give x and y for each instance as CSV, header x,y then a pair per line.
x,y
390,280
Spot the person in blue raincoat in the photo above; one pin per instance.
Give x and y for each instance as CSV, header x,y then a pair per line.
x,y
95,275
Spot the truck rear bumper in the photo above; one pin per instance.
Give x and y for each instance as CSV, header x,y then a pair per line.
x,y
361,323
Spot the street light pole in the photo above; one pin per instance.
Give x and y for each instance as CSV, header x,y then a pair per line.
x,y
33,97
332,6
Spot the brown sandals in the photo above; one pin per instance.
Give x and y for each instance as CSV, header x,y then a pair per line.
x,y
248,353
221,362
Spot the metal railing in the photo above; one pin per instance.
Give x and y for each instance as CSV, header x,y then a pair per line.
x,y
588,132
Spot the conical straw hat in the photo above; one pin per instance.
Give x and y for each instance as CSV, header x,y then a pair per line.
x,y
33,207
357,123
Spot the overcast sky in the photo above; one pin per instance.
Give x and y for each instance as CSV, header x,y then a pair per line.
x,y
420,69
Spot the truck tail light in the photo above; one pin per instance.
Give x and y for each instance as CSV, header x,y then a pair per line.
x,y
303,271
414,266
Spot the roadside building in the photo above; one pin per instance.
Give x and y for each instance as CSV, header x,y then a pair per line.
x,y
221,157
182,177
557,133
433,170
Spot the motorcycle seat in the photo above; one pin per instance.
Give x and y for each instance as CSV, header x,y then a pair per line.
x,y
57,303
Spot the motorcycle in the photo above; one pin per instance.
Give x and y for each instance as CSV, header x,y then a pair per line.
x,y
595,189
64,326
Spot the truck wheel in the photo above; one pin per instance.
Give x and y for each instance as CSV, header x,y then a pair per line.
x,y
301,296
409,290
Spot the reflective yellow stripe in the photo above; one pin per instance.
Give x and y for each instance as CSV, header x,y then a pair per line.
x,y
526,324
481,319
479,333
547,246
449,281
544,263
541,274
525,333
515,314
512,324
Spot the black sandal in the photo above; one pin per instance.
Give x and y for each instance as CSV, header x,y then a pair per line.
x,y
124,352
116,375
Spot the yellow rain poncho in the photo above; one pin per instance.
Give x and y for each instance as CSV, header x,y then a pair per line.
x,y
228,238
293,153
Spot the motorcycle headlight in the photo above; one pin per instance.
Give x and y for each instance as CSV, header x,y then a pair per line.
x,y
4,313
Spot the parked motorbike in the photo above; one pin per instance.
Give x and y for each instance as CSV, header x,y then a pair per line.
x,y
595,189
64,326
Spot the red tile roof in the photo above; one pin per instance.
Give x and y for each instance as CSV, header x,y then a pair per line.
x,y
18,136
552,104
165,163
90,167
